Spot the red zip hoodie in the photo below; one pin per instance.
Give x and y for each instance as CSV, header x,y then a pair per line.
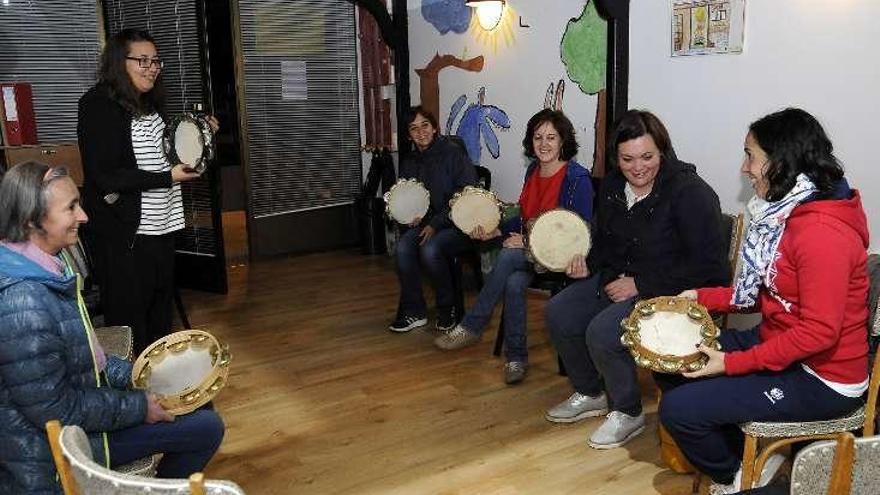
x,y
816,313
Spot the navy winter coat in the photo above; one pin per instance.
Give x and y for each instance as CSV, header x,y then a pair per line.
x,y
668,242
47,371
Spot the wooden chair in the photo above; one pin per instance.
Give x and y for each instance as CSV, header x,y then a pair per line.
x,y
846,465
788,433
81,475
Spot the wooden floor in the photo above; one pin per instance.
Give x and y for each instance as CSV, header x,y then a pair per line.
x,y
324,399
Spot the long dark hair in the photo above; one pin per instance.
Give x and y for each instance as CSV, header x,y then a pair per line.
x,y
796,143
114,75
563,127
634,124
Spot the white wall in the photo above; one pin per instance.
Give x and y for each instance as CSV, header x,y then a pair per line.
x,y
516,77
820,55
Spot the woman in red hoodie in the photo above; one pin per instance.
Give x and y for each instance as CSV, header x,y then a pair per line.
x,y
803,266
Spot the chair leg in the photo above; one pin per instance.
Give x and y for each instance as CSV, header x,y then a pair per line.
x,y
748,463
698,480
499,337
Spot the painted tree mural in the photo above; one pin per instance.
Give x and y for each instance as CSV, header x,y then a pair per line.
x,y
583,50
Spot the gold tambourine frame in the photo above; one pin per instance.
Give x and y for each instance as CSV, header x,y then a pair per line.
x,y
388,195
527,239
192,398
667,363
471,190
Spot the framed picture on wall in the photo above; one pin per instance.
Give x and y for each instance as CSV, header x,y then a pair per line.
x,y
700,27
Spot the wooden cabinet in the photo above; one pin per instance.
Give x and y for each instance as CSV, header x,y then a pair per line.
x,y
64,154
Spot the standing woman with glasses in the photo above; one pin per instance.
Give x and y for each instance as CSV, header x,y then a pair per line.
x,y
131,191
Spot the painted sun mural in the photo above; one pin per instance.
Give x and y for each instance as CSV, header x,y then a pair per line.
x,y
503,33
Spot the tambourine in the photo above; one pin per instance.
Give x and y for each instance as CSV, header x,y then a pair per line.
x,y
407,200
472,207
556,237
184,369
662,334
189,140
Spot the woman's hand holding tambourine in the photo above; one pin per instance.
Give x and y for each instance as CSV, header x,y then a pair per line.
x,y
183,172
689,294
514,241
213,123
578,268
714,366
155,411
480,235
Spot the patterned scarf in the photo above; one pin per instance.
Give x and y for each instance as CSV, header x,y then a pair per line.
x,y
762,240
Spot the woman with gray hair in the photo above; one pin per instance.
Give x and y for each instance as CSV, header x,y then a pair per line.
x,y
51,365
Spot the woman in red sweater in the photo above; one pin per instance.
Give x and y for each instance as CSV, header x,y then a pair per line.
x,y
803,266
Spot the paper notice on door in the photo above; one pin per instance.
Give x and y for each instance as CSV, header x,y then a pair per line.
x,y
9,104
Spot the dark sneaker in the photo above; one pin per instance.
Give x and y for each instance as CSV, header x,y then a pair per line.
x,y
446,319
515,372
405,323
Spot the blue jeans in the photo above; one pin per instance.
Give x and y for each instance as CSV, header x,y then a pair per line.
x,y
702,415
436,257
585,328
188,443
510,277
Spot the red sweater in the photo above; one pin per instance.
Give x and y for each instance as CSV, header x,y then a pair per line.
x,y
817,313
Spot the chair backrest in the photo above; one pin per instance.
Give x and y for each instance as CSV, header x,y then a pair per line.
x,y
847,465
484,177
90,477
116,340
734,226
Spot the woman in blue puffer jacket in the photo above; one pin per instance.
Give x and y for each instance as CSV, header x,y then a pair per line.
x,y
51,365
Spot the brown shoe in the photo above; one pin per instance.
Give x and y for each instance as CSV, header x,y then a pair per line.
x,y
515,372
456,338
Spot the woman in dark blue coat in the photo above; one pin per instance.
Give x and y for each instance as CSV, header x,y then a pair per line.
x,y
51,364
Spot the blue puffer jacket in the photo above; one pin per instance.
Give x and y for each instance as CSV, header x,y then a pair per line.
x,y
47,372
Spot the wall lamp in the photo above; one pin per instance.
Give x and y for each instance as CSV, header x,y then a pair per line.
x,y
489,12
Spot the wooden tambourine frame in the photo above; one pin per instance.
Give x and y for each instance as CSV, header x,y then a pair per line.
x,y
191,398
402,183
461,219
530,240
667,363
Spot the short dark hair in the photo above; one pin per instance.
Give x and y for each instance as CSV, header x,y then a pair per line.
x,y
24,198
114,75
562,125
634,124
415,111
795,143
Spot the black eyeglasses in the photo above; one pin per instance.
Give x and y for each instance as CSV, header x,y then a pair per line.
x,y
146,62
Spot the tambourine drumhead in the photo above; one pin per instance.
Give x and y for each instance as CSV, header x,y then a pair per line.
x,y
474,207
185,369
407,200
662,334
557,236
189,140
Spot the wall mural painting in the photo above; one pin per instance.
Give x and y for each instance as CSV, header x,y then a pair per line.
x,y
429,78
447,15
553,98
583,51
503,32
477,125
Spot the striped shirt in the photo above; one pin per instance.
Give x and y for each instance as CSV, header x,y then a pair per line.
x,y
162,208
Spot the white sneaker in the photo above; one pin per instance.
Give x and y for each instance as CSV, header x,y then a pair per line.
x,y
577,407
618,429
774,462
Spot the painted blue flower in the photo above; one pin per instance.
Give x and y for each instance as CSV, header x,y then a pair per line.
x,y
447,15
478,122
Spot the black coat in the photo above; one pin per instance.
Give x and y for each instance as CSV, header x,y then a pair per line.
x,y
444,168
668,242
109,166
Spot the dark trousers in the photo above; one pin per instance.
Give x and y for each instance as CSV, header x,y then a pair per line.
x,y
436,258
137,286
585,327
702,415
188,443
